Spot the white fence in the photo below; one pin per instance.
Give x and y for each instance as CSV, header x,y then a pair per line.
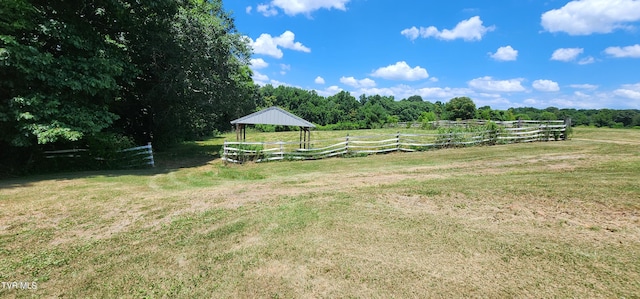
x,y
140,156
239,152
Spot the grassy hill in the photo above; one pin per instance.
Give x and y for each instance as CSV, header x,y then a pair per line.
x,y
548,219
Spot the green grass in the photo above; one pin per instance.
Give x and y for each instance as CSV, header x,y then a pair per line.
x,y
548,219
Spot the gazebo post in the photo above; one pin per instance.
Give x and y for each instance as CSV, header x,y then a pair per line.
x,y
300,137
237,132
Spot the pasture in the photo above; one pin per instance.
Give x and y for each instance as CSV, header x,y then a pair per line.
x,y
543,219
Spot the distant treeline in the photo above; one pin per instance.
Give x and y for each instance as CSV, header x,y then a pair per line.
x,y
344,111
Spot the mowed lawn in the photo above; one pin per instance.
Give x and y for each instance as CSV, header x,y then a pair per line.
x,y
547,219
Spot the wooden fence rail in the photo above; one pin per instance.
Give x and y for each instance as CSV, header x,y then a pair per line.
x,y
140,156
239,152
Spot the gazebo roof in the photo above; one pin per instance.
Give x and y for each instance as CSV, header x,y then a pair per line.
x,y
273,116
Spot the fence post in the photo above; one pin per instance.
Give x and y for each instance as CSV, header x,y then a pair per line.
x,y
346,146
153,163
224,151
281,151
398,141
567,128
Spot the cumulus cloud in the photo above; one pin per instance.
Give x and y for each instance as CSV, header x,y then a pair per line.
x,y
284,68
628,51
329,91
584,86
401,71
259,78
545,85
268,45
505,54
489,84
294,7
267,10
353,82
584,17
248,9
566,54
319,80
468,30
630,91
258,63
587,60
442,93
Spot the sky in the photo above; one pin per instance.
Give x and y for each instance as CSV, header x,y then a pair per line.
x,y
582,54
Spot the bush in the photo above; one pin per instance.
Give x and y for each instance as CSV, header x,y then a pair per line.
x,y
491,132
248,152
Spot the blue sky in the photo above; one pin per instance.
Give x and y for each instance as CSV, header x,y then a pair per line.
x,y
501,53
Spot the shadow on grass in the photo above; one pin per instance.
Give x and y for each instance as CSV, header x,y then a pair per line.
x,y
185,155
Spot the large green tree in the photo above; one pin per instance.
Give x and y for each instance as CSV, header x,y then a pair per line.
x,y
195,75
161,71
460,108
61,70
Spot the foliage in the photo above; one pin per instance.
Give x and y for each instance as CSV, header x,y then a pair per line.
x,y
548,116
161,71
248,152
491,132
460,108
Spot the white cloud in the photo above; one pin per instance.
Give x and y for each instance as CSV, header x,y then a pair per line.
x,y
545,85
587,60
468,30
259,78
401,71
442,93
411,33
630,91
248,9
353,82
319,80
566,54
267,10
258,63
329,91
584,17
505,54
268,45
294,7
489,84
284,68
584,86
628,51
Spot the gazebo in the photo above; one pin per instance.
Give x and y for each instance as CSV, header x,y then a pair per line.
x,y
274,116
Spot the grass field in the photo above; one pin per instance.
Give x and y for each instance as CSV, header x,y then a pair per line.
x,y
548,219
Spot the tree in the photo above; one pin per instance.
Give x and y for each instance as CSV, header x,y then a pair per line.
x,y
548,116
62,67
604,118
484,112
625,117
195,75
415,98
460,108
161,71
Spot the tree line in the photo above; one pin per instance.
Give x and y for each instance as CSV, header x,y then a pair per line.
x,y
344,111
79,73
